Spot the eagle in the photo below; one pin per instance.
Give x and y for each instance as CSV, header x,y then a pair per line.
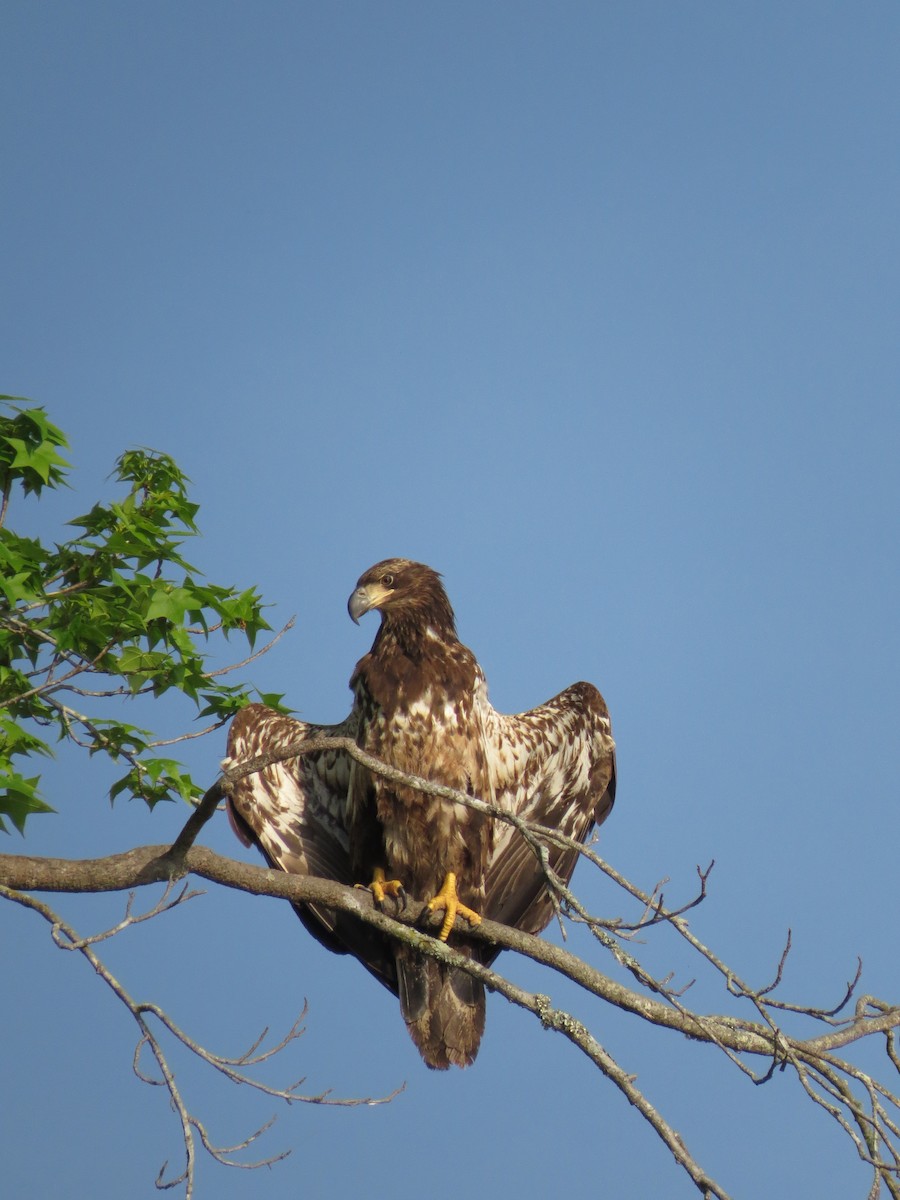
x,y
420,704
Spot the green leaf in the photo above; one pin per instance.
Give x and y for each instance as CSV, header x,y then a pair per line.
x,y
40,459
18,800
156,779
16,740
274,700
171,604
28,449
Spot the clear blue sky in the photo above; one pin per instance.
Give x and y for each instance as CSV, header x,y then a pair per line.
x,y
594,307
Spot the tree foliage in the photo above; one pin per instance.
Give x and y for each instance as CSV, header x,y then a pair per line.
x,y
113,612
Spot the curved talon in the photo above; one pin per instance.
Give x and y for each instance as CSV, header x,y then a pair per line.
x,y
381,887
448,899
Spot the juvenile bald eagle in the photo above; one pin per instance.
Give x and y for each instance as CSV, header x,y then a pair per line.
x,y
420,704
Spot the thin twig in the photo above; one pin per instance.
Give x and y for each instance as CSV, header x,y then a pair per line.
x,y
63,933
253,657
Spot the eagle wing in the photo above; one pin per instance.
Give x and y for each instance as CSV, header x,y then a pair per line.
x,y
555,766
295,813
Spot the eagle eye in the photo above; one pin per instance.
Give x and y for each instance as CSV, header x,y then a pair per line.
x,y
388,580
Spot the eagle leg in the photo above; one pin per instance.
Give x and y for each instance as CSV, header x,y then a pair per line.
x,y
449,901
381,887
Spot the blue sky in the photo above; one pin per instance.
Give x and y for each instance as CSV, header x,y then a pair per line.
x,y
592,307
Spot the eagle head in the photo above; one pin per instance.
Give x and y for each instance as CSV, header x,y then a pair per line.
x,y
404,593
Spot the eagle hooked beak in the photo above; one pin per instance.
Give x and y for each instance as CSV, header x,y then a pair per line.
x,y
360,602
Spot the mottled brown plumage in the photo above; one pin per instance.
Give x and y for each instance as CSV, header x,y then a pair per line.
x,y
420,704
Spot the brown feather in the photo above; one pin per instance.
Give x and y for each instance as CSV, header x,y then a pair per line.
x,y
420,704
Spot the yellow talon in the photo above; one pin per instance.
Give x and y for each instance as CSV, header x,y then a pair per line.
x,y
381,887
448,899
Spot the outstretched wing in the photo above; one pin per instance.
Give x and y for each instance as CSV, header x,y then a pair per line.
x,y
295,812
555,766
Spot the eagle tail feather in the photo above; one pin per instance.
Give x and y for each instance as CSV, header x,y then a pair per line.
x,y
444,1009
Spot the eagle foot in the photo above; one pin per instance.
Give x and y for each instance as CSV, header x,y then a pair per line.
x,y
448,899
381,887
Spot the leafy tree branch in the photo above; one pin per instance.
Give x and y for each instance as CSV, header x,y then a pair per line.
x,y
117,605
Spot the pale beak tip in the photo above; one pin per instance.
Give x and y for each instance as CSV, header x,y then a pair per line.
x,y
357,605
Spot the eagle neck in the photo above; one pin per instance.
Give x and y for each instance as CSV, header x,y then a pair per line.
x,y
407,658
413,638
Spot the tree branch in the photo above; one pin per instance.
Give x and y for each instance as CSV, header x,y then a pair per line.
x,y
159,864
868,1115
233,1069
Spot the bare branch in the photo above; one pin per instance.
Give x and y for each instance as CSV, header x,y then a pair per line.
x,y
166,902
188,737
253,657
66,937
